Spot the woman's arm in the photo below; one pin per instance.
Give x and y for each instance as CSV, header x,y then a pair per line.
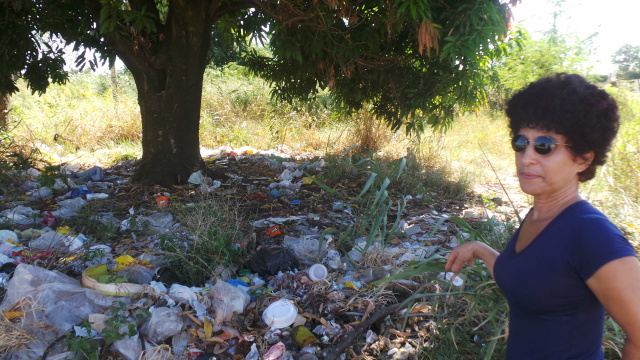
x,y
617,286
465,253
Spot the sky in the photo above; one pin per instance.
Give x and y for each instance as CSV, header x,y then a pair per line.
x,y
616,21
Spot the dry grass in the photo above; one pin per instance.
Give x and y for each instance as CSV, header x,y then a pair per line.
x,y
160,352
12,335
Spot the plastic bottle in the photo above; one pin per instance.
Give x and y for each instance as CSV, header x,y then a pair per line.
x,y
303,337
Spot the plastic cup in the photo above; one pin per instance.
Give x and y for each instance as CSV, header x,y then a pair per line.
x,y
280,314
317,272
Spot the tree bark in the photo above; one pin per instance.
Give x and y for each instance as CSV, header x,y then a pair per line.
x,y
114,83
169,84
4,110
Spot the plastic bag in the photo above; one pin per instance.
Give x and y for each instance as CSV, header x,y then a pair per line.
x,y
74,205
269,261
225,300
130,347
187,295
50,298
137,274
307,248
6,235
53,240
164,323
157,222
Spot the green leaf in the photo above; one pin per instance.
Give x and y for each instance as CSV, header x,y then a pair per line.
x,y
322,185
366,187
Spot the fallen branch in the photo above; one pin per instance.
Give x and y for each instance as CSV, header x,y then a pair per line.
x,y
340,347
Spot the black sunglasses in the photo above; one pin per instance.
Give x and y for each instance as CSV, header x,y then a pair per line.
x,y
542,144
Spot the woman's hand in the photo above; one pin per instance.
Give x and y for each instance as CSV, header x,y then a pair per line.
x,y
467,252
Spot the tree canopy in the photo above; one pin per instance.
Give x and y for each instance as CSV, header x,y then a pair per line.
x,y
417,62
538,58
627,58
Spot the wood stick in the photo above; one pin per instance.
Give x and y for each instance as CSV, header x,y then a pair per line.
x,y
335,351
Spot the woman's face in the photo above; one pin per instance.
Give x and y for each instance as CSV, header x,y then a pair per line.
x,y
552,174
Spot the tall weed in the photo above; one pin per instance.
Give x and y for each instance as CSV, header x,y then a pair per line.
x,y
616,188
212,237
367,215
81,116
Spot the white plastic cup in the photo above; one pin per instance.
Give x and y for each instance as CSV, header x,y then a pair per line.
x,y
317,272
456,280
280,314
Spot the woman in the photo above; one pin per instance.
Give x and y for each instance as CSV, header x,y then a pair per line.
x,y
567,262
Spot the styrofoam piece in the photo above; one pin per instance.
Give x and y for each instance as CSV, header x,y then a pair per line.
x,y
280,314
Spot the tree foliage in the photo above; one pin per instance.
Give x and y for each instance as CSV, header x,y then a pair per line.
x,y
532,59
414,61
37,56
627,58
417,62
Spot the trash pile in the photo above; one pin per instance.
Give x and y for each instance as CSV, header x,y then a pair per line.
x,y
297,297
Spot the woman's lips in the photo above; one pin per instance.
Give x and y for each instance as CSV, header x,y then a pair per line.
x,y
528,175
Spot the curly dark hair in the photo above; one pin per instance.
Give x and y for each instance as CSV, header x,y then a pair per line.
x,y
568,105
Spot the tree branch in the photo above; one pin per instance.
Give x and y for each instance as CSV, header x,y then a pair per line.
x,y
216,11
149,6
339,348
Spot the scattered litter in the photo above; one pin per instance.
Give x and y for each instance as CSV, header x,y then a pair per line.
x,y
298,294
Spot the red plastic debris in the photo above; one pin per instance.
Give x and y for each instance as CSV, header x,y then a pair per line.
x,y
31,256
163,201
256,196
48,219
274,231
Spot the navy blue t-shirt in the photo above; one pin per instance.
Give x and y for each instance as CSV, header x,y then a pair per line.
x,y
553,313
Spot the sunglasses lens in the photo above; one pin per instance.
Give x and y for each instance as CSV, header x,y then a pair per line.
x,y
519,143
543,145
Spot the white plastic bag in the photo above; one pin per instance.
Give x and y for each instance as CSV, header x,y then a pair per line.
x,y
164,323
52,302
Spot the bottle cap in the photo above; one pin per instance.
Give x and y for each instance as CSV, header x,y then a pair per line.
x,y
317,272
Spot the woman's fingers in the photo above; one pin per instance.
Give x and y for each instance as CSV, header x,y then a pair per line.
x,y
459,255
450,260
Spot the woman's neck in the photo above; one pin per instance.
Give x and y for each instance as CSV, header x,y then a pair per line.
x,y
548,208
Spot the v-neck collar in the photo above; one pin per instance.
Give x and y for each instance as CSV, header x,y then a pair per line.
x,y
546,228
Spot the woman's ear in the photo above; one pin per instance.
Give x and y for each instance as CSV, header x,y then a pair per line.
x,y
586,159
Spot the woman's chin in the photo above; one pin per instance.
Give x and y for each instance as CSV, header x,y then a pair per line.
x,y
529,189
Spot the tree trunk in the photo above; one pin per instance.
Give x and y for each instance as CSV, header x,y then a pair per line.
x,y
170,131
169,87
114,83
4,110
